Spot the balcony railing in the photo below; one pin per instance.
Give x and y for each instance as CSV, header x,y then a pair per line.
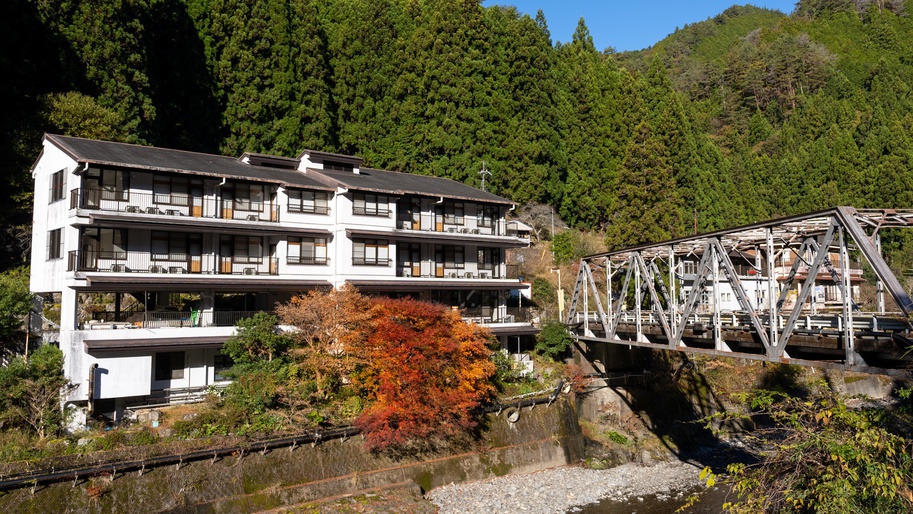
x,y
106,320
171,263
485,315
409,271
364,261
305,260
172,204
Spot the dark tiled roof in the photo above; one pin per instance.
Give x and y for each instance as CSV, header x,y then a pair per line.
x,y
151,158
394,182
178,161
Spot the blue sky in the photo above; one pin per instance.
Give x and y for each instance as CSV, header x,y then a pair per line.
x,y
628,25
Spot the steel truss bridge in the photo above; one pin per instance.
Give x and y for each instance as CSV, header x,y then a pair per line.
x,y
673,295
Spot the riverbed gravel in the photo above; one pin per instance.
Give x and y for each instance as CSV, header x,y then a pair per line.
x,y
562,489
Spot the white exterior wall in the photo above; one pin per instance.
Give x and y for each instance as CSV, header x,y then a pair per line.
x,y
124,373
48,275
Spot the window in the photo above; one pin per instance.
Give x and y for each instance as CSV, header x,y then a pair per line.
x,y
453,213
249,197
169,365
453,257
104,243
171,190
55,244
175,246
486,215
244,250
489,258
689,267
370,252
308,202
338,166
370,205
307,250
112,184
57,186
220,365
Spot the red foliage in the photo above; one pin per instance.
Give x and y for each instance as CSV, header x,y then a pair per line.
x,y
428,372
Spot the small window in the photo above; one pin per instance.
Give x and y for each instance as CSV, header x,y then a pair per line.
x,y
249,197
55,244
308,202
486,215
370,204
453,213
307,250
370,252
57,186
220,366
169,365
453,257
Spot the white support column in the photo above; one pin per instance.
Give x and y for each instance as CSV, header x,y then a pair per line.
x,y
673,300
586,308
848,335
608,289
717,314
879,285
638,300
772,294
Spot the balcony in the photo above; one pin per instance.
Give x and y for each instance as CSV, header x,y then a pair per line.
x,y
171,204
415,271
172,263
306,260
108,320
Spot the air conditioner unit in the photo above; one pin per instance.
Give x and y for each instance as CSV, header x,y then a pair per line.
x,y
468,274
253,217
133,208
118,268
175,269
156,269
483,274
453,274
152,210
475,231
464,230
250,271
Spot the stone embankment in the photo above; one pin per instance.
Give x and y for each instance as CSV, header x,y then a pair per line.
x,y
563,489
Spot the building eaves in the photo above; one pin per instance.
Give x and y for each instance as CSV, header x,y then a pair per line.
x,y
398,183
107,153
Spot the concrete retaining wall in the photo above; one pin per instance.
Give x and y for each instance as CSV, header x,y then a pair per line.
x,y
543,437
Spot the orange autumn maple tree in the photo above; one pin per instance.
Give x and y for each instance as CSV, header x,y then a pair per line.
x,y
427,372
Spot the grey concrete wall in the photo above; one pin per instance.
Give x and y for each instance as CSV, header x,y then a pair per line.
x,y
543,437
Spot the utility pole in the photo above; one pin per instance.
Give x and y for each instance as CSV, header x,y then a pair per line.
x,y
560,293
483,172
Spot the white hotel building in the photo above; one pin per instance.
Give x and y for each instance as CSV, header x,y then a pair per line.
x,y
153,254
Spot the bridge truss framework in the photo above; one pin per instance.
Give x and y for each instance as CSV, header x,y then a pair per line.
x,y
647,299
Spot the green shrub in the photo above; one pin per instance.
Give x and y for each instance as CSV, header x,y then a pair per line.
x,y
553,341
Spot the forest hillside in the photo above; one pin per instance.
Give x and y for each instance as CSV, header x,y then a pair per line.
x,y
745,116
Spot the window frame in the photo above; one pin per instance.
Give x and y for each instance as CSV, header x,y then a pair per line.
x,y
363,258
369,204
320,201
318,246
454,213
244,198
159,368
57,186
55,244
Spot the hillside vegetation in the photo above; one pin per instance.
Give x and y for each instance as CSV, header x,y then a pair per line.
x,y
745,116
